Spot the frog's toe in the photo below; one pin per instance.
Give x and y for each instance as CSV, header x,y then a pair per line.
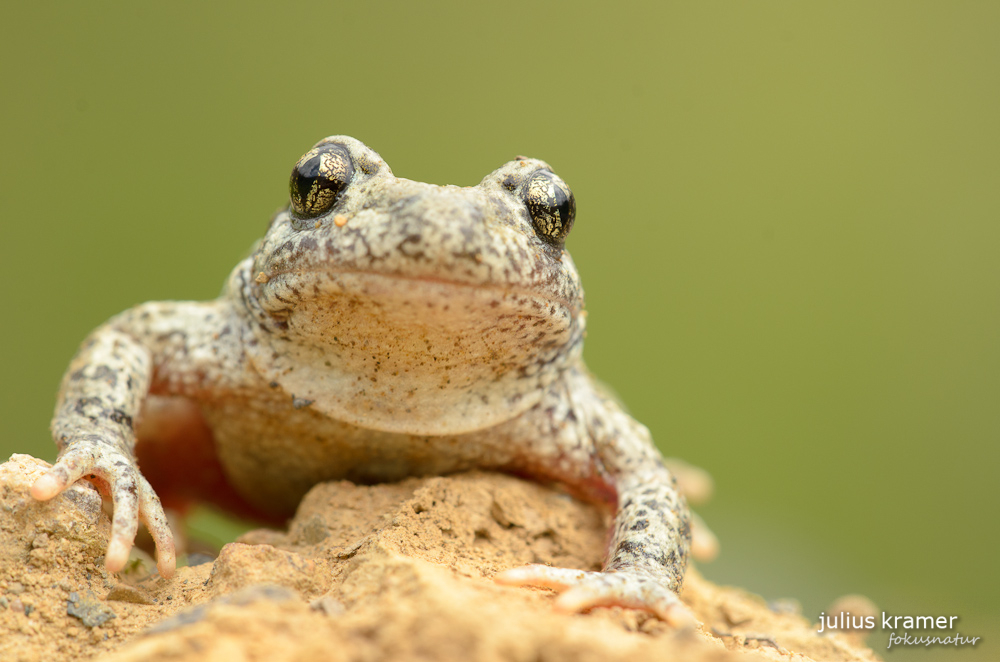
x,y
71,467
584,590
116,475
694,483
151,512
704,543
135,500
124,490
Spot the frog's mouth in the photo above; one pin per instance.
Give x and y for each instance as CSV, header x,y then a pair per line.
x,y
275,286
413,354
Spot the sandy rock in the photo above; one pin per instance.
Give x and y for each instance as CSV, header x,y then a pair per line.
x,y
399,571
52,565
240,565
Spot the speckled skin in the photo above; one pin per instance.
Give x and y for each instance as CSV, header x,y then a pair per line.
x,y
411,330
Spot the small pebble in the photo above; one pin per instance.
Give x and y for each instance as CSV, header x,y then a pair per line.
x,y
89,609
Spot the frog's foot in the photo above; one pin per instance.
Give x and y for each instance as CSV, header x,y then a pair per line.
x,y
694,483
704,544
583,590
116,475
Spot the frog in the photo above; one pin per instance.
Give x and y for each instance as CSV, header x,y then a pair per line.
x,y
382,328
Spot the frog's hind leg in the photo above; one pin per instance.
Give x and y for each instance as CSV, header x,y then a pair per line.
x,y
697,486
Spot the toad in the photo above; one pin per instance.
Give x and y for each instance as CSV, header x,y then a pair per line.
x,y
383,328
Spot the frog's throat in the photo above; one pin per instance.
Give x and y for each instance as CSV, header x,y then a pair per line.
x,y
419,356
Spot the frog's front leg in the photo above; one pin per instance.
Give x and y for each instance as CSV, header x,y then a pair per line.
x,y
186,349
649,548
93,428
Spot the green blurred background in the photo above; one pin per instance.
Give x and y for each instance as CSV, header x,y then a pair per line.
x,y
788,228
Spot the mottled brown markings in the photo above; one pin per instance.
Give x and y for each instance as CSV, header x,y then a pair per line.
x,y
119,416
83,406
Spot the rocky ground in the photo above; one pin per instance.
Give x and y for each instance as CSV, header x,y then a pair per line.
x,y
400,572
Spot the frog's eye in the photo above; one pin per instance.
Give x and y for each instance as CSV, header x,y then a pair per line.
x,y
551,206
319,178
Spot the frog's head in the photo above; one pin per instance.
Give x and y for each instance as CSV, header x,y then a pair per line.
x,y
410,307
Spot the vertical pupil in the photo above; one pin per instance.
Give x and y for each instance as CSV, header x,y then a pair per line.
x,y
319,178
551,206
562,206
307,176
